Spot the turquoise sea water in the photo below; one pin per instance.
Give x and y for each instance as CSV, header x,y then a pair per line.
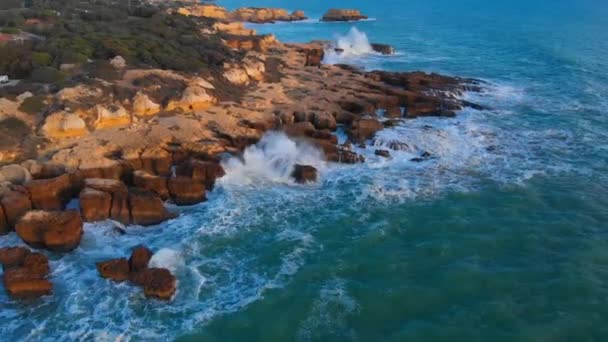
x,y
503,236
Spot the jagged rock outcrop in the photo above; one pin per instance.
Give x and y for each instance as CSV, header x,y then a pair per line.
x,y
111,117
304,173
265,15
260,43
314,56
144,106
236,75
383,49
54,230
233,28
25,273
382,153
343,15
193,98
205,10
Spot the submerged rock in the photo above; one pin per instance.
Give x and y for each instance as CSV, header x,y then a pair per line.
x,y
383,153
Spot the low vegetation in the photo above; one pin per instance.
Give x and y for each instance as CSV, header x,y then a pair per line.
x,y
77,32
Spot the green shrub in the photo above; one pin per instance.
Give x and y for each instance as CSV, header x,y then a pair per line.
x,y
33,105
70,57
47,75
10,30
42,58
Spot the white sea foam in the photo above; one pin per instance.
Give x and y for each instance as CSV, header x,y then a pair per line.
x,y
167,258
271,160
352,45
329,313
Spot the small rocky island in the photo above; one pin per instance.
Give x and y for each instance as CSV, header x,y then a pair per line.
x,y
343,15
127,106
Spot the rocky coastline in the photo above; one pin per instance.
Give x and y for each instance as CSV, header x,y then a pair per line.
x,y
125,133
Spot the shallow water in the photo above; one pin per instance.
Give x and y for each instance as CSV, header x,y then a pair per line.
x,y
501,235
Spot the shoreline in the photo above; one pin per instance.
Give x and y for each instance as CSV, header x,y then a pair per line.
x,y
123,145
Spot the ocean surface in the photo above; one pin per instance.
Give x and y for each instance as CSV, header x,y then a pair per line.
x,y
501,236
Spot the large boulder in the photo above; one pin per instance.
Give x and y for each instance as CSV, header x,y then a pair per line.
x,y
383,49
115,269
21,284
15,174
140,257
147,208
304,174
52,193
236,75
15,203
25,273
186,191
53,230
95,205
11,257
343,15
158,283
146,181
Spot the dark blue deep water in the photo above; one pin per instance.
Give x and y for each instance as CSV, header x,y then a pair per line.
x,y
502,237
